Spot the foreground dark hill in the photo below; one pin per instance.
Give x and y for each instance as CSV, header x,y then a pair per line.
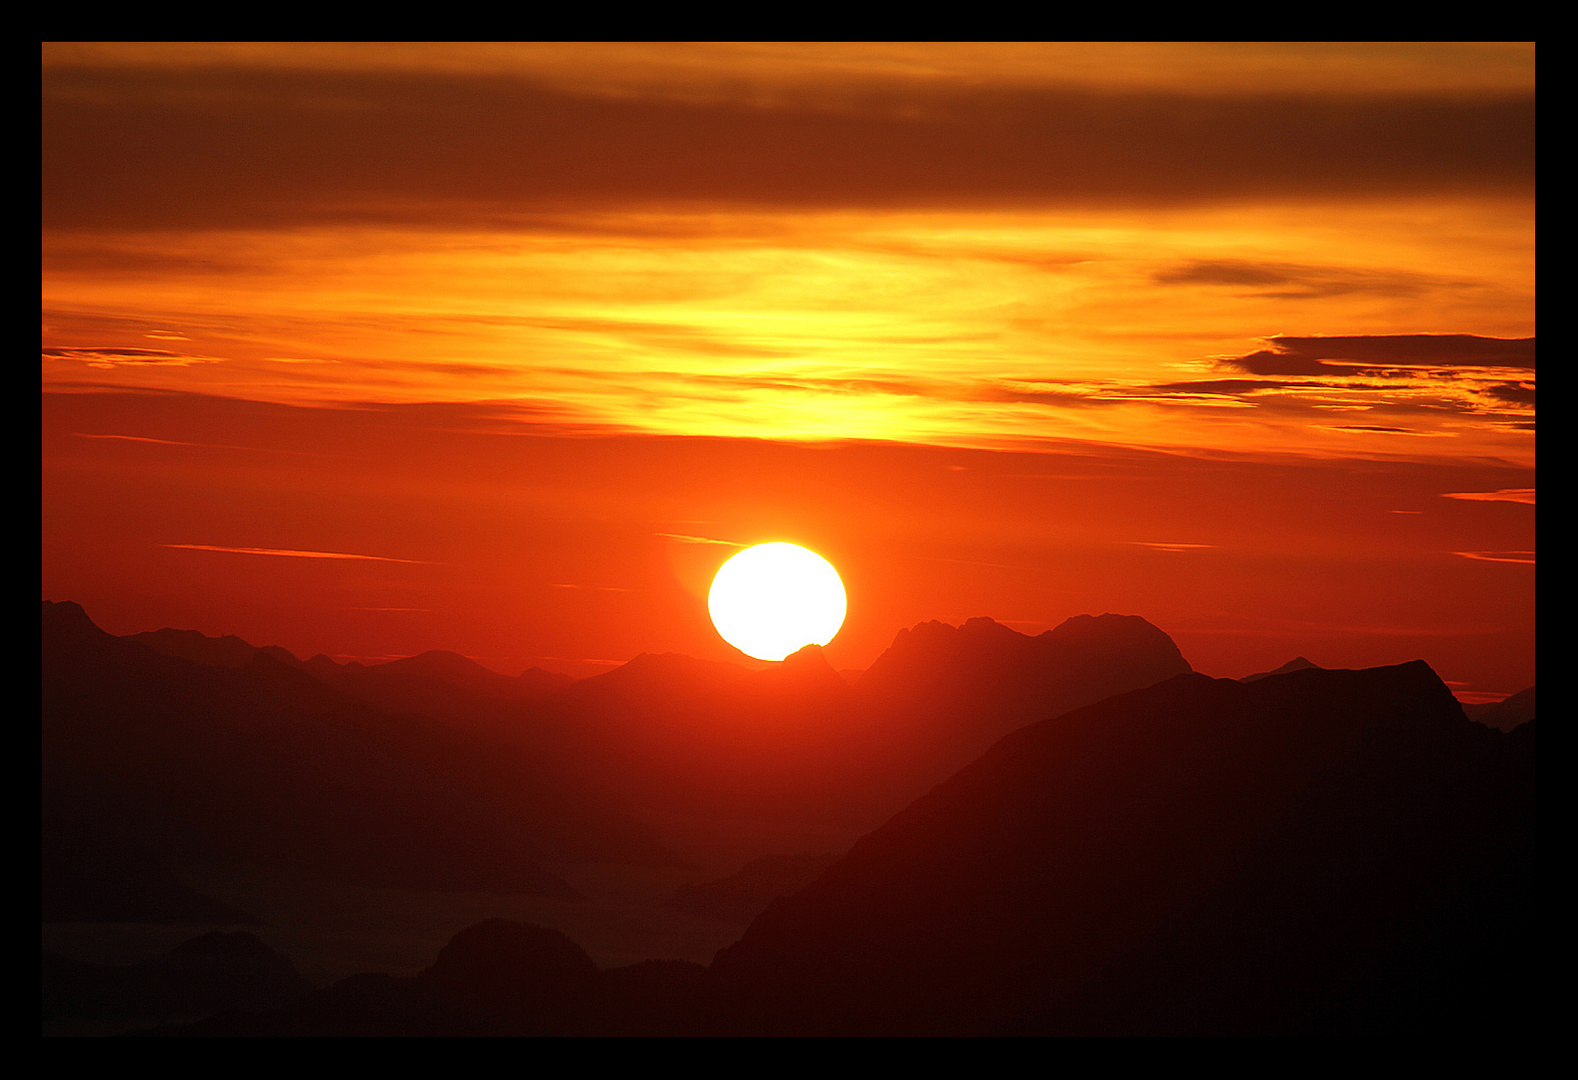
x,y
741,896
197,978
1319,851
266,763
93,872
497,978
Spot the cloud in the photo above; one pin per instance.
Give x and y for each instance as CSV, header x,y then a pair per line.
x,y
1227,386
200,446
138,438
1346,355
295,554
1288,281
1512,495
698,539
1380,429
112,357
1514,393
1168,547
1525,557
218,147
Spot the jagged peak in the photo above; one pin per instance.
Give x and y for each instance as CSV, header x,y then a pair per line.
x,y
808,657
67,611
1298,663
439,661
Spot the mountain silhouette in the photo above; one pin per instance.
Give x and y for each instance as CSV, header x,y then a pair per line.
x,y
1509,713
1070,833
1071,665
797,740
214,972
1325,851
940,695
267,763
435,770
1298,663
1320,852
670,734
498,977
228,651
741,896
95,872
439,684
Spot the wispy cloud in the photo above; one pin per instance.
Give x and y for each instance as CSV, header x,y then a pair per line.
x,y
200,446
1512,495
1167,546
1380,429
698,539
1499,556
1288,281
295,554
113,357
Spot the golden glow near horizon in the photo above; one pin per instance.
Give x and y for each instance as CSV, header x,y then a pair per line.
x,y
728,298
774,599
951,329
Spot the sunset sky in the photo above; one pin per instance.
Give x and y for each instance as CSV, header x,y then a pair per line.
x,y
369,349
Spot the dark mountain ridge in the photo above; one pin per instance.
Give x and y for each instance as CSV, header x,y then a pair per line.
x,y
268,763
1320,851
741,896
678,735
664,735
1508,713
1298,663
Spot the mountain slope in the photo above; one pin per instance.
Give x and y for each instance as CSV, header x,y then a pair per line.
x,y
1321,851
268,763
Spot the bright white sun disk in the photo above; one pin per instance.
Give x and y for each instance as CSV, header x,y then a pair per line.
x,y
773,599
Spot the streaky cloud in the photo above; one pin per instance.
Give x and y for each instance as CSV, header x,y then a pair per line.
x,y
110,357
296,554
1290,281
1511,495
1525,557
698,539
1168,546
1342,355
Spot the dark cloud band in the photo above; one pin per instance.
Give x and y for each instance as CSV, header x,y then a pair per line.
x,y
149,148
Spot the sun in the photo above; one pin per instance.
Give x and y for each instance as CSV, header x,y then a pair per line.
x,y
772,599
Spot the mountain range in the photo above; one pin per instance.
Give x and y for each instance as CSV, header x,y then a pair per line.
x,y
1064,834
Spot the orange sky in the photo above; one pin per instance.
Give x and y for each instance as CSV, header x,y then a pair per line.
x,y
1236,337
